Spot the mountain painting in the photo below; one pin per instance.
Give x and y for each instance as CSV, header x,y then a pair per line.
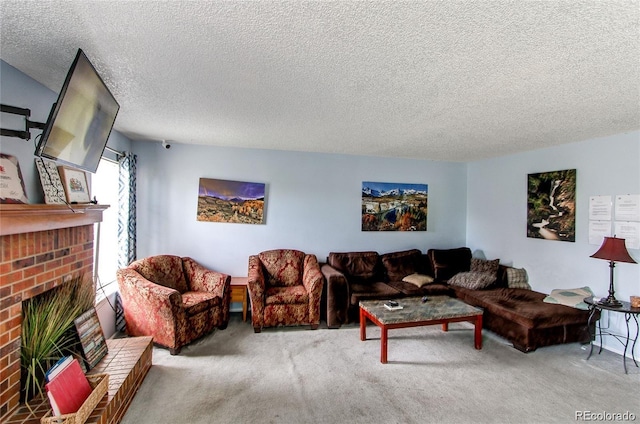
x,y
551,205
394,206
230,201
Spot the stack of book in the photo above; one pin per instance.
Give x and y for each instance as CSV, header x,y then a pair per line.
x,y
392,305
67,386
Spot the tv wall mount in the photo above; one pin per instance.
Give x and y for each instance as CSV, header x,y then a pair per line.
x,y
28,124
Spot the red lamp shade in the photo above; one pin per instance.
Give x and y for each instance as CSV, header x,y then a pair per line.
x,y
613,249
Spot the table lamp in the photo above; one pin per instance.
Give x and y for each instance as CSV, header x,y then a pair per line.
x,y
613,250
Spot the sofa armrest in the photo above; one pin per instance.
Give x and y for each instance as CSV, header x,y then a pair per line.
x,y
140,296
200,278
313,280
337,296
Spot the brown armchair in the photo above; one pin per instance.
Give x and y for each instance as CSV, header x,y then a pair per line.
x,y
173,299
285,287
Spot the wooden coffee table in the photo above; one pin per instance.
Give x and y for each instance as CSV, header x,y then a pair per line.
x,y
415,313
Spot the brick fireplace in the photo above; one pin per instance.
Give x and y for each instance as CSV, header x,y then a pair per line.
x,y
40,247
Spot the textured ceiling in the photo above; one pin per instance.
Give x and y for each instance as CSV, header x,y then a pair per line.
x,y
451,80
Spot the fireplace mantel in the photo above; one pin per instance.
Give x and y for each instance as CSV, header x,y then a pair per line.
x,y
19,218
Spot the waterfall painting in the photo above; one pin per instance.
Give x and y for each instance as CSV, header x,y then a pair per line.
x,y
551,205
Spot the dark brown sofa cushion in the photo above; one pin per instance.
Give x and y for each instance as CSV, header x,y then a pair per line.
x,y
398,265
526,307
523,318
448,262
372,290
433,289
360,267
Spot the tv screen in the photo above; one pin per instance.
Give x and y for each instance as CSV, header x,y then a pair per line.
x,y
80,122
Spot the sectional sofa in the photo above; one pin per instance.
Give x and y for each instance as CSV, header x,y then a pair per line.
x,y
511,309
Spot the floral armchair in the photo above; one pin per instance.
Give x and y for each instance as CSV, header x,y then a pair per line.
x,y
285,287
173,299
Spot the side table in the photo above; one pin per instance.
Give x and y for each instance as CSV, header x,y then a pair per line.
x,y
629,312
239,293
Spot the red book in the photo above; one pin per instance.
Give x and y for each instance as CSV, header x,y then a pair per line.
x,y
69,389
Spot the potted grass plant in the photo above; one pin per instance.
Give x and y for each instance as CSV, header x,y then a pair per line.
x,y
48,331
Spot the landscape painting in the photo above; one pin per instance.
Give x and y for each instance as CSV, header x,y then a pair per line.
x,y
230,201
551,213
394,206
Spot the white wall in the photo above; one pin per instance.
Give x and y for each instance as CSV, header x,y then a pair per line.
x,y
107,314
17,89
497,209
313,203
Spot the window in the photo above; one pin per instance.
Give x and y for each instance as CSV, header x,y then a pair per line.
x,y
104,186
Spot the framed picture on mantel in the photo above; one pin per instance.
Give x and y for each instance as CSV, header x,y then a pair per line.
x,y
75,184
11,182
50,181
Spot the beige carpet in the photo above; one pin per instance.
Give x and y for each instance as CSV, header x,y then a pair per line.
x,y
296,375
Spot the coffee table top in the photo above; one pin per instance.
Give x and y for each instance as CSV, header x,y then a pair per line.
x,y
413,310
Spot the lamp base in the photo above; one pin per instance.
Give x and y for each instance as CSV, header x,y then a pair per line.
x,y
610,301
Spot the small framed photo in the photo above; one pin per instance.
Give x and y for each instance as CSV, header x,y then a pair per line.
x,y
75,184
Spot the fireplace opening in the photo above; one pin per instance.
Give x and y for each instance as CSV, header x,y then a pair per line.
x,y
48,332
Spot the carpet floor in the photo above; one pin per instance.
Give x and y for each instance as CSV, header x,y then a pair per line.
x,y
296,375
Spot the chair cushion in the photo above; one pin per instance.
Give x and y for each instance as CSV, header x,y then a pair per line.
x,y
288,295
358,267
283,267
165,270
196,302
400,264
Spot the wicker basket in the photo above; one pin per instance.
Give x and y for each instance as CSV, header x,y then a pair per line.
x,y
100,385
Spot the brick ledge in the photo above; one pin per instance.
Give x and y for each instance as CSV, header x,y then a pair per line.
x,y
127,364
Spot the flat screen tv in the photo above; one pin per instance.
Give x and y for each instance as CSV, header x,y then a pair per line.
x,y
80,122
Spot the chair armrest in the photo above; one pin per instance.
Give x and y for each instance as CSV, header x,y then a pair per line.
x,y
337,296
200,278
151,309
135,285
256,288
313,280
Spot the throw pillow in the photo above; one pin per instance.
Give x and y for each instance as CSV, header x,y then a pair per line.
x,y
517,278
472,280
484,265
570,297
418,280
